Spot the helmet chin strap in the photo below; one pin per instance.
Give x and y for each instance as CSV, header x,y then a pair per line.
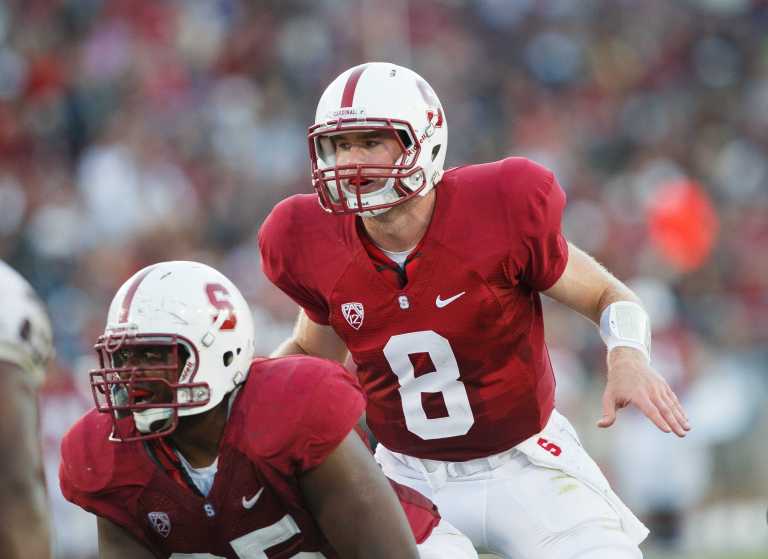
x,y
144,419
384,195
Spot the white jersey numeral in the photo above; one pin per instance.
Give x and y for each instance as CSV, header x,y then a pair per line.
x,y
254,545
444,379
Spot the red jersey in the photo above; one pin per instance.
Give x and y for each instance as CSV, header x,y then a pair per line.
x,y
452,357
288,417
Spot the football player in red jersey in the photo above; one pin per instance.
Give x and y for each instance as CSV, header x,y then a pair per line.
x,y
431,280
25,348
195,449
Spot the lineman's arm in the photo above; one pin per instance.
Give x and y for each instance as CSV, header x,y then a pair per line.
x,y
588,288
24,528
116,543
355,505
311,338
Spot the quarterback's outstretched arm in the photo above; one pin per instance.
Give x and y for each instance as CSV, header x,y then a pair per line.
x,y
116,543
311,338
355,505
24,529
588,288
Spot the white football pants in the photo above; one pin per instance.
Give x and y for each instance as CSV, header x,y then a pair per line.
x,y
543,499
446,542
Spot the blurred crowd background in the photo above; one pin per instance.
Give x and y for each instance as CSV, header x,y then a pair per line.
x,y
135,131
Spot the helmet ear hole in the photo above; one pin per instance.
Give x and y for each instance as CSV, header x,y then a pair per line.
x,y
405,138
183,356
435,151
228,358
26,330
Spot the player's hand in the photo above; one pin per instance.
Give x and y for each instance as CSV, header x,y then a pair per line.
x,y
632,380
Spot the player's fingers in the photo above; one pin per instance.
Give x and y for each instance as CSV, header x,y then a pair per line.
x,y
652,412
663,405
678,406
677,411
609,410
671,393
606,421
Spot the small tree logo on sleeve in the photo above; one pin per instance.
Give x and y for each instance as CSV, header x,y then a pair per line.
x,y
354,314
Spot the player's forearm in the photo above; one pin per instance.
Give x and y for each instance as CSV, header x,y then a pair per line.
x,y
378,537
355,505
293,347
117,543
311,338
614,292
587,287
373,527
288,347
24,530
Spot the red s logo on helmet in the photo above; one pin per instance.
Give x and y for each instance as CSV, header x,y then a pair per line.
x,y
219,298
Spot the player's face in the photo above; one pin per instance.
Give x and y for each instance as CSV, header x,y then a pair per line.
x,y
367,148
146,363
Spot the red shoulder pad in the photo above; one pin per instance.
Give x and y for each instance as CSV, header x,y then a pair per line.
x,y
288,261
294,411
90,462
535,204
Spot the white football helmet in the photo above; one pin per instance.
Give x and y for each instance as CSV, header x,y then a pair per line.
x,y
198,316
378,96
25,330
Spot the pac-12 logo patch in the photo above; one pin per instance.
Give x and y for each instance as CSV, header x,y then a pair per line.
x,y
160,522
354,314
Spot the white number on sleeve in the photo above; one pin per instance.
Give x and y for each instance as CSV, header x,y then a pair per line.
x,y
444,379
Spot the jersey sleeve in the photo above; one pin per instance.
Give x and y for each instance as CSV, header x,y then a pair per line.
x,y
284,260
295,411
332,412
85,476
537,214
421,513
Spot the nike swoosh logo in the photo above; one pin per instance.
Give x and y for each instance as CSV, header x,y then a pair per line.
x,y
440,303
248,503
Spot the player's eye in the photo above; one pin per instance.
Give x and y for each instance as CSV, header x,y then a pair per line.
x,y
126,357
121,357
155,356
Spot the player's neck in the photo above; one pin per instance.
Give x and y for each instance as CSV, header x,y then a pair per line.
x,y
197,437
402,227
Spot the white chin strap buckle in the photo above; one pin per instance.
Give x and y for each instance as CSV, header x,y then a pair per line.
x,y
145,418
626,324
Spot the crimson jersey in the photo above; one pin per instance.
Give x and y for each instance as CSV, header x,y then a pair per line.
x,y
288,417
453,361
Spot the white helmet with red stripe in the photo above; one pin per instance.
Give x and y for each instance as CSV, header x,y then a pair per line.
x,y
202,326
378,96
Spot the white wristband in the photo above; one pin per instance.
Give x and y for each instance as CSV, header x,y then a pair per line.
x,y
626,324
